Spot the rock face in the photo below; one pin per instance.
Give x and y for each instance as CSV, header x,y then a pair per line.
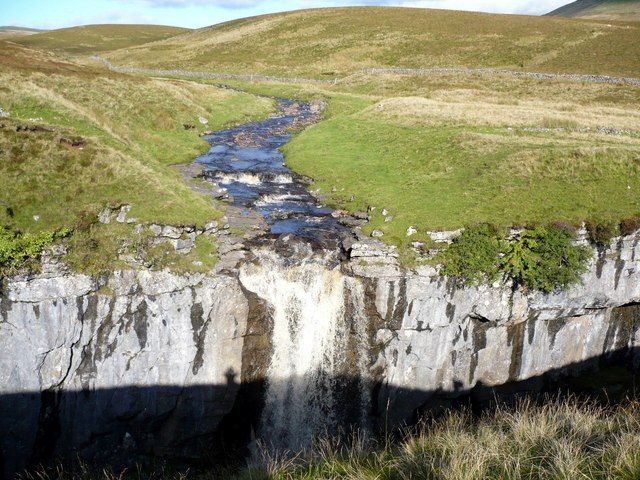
x,y
125,365
437,341
153,363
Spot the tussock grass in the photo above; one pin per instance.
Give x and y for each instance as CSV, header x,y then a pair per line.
x,y
566,440
560,440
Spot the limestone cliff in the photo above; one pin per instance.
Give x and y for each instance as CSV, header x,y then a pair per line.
x,y
154,363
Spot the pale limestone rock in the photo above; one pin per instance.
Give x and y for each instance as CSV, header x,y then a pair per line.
x,y
445,237
143,348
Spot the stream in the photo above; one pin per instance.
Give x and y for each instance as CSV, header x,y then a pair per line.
x,y
316,376
246,161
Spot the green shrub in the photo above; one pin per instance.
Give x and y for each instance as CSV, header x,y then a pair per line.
x,y
17,249
544,259
601,232
473,256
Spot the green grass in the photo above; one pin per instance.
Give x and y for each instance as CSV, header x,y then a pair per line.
x,y
442,153
443,177
328,43
132,132
92,39
435,152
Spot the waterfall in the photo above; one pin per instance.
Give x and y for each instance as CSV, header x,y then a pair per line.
x,y
316,381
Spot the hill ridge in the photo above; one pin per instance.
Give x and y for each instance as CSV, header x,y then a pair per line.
x,y
621,10
335,42
97,38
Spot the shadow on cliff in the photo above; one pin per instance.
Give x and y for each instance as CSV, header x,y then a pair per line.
x,y
215,424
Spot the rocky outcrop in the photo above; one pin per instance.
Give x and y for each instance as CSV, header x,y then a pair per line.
x,y
154,363
97,367
441,341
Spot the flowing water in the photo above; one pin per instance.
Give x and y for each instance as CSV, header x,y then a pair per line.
x,y
317,377
316,380
245,160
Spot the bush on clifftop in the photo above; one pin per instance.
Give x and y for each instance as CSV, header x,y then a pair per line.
x,y
18,249
542,258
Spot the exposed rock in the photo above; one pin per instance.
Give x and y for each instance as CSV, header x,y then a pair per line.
x,y
138,361
146,362
75,142
210,228
411,231
377,233
582,236
33,128
122,214
203,120
317,106
372,248
445,236
118,213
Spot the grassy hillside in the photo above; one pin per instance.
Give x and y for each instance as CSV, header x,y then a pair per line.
x,y
620,10
11,32
90,39
77,139
340,41
435,152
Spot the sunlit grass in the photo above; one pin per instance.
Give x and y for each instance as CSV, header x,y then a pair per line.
x,y
130,131
330,43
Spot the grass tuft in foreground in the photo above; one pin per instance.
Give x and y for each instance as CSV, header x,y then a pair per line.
x,y
567,440
564,440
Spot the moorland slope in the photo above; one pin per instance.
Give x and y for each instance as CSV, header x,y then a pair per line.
x,y
9,31
74,139
441,152
340,41
619,10
89,39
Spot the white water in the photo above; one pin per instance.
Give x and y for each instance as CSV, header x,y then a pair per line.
x,y
249,178
316,345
